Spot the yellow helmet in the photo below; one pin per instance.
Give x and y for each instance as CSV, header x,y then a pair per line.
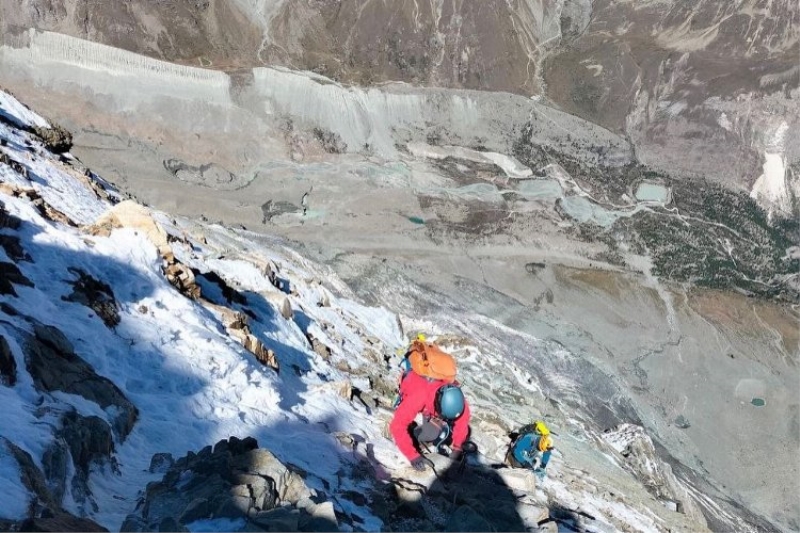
x,y
421,337
540,428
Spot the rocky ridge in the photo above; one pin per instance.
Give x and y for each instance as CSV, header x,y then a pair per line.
x,y
333,356
553,229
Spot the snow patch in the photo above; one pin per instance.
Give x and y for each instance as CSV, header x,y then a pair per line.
x,y
771,188
11,109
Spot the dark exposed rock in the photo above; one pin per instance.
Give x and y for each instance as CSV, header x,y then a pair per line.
x,y
88,438
55,462
280,519
10,275
318,347
232,479
14,250
31,476
90,442
8,309
161,462
181,277
230,294
96,295
534,267
61,522
169,524
133,523
331,142
53,365
272,208
8,220
197,509
49,516
8,365
57,139
467,519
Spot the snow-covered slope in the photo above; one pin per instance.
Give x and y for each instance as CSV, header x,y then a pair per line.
x,y
125,333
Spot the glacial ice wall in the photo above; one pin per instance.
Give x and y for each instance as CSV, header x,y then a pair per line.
x,y
360,116
377,119
109,70
398,113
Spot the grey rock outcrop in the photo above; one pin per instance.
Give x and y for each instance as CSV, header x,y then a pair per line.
x,y
55,465
237,480
641,458
45,512
57,139
454,497
95,294
53,365
160,463
89,441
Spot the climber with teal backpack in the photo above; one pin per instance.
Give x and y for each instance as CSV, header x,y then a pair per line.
x,y
428,386
531,447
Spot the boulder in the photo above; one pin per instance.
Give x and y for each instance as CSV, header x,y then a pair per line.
x,y
317,523
319,347
279,519
232,479
198,509
182,278
95,295
129,214
235,323
289,486
57,139
520,480
160,463
280,302
235,506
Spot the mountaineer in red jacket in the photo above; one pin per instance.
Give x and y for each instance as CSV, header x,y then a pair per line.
x,y
445,414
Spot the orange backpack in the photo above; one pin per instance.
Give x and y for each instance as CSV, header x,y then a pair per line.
x,y
428,360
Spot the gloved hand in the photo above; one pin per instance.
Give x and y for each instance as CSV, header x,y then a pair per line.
x,y
539,473
456,455
420,464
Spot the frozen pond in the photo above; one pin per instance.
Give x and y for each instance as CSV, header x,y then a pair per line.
x,y
651,192
583,210
543,189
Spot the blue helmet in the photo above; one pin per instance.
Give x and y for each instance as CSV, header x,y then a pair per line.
x,y
449,402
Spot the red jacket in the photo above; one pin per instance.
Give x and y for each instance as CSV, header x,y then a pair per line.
x,y
418,396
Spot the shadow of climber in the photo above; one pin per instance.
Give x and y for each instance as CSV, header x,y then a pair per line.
x,y
469,497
